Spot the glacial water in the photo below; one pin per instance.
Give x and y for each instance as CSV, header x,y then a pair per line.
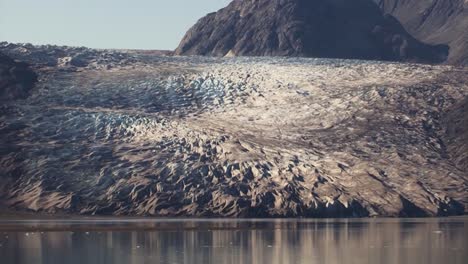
x,y
282,241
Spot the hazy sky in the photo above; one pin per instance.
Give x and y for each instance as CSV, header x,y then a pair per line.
x,y
138,24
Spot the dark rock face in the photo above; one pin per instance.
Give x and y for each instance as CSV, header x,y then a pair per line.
x,y
309,28
16,79
435,22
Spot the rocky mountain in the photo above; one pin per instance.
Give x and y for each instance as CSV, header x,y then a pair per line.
x,y
236,137
434,22
319,28
16,78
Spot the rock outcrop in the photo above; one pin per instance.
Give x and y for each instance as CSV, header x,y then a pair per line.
x,y
319,28
435,22
16,79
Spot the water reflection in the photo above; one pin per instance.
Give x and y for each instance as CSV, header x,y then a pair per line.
x,y
231,241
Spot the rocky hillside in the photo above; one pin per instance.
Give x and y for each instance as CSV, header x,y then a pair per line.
x,y
16,79
320,28
435,22
238,137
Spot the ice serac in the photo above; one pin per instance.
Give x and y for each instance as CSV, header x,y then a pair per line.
x,y
307,28
235,137
16,79
434,22
456,135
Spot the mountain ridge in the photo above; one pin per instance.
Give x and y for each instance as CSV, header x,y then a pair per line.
x,y
320,28
434,22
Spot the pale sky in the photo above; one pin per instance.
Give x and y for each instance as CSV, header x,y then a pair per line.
x,y
130,24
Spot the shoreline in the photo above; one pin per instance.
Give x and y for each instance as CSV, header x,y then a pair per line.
x,y
101,224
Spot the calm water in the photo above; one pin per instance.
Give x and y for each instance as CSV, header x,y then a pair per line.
x,y
235,241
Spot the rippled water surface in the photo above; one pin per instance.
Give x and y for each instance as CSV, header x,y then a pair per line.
x,y
234,241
